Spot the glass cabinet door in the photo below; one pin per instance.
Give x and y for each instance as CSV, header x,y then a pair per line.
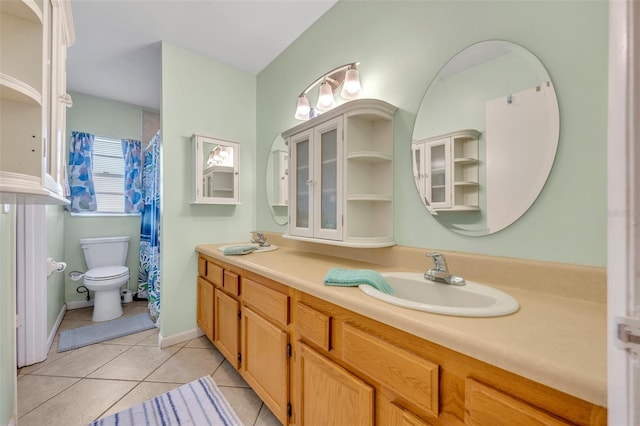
x,y
327,185
301,201
439,176
216,171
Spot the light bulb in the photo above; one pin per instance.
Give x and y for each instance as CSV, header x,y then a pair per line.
x,y
325,97
351,87
302,109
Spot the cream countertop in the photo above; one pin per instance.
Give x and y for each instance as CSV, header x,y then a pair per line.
x,y
556,341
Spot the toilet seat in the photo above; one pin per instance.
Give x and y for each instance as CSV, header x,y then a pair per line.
x,y
106,273
106,276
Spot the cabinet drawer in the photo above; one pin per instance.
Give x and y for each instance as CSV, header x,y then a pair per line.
x,y
214,273
202,267
271,303
231,282
485,405
314,326
409,376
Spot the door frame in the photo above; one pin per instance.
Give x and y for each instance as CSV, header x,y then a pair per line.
x,y
31,284
623,230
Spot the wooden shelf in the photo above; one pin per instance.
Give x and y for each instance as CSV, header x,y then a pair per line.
x,y
15,90
369,156
23,9
369,197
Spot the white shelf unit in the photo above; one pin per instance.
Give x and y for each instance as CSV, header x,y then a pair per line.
x,y
366,182
34,36
216,170
446,170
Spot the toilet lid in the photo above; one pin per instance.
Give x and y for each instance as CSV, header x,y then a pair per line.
x,y
106,273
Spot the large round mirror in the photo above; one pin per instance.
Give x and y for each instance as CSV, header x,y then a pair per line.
x,y
485,138
277,181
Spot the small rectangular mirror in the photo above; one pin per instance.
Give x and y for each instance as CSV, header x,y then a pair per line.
x,y
216,171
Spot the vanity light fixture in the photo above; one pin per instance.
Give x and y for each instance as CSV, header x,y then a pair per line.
x,y
326,101
351,88
345,75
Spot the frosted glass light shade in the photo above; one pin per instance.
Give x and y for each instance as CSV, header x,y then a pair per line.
x,y
302,109
351,88
325,97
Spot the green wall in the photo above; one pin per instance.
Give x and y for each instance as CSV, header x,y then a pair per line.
x,y
201,96
106,118
402,46
7,317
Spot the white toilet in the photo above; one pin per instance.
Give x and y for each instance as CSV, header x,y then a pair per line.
x,y
106,258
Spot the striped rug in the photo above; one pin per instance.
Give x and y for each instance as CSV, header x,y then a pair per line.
x,y
197,403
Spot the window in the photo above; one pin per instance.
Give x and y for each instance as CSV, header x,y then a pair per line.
x,y
108,174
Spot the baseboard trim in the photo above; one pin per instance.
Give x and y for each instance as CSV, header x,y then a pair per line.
x,y
78,304
163,341
55,328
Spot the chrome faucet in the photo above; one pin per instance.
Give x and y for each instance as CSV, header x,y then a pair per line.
x,y
440,273
259,238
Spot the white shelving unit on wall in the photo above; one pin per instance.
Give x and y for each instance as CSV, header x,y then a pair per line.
x,y
34,36
364,185
446,170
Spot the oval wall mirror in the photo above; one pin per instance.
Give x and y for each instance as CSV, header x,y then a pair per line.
x,y
277,181
485,138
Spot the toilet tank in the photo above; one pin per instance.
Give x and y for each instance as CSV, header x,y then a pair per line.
x,y
105,251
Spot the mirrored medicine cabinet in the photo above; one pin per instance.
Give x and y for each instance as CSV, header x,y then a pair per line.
x,y
215,170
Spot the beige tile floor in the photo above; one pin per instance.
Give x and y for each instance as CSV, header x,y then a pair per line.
x,y
78,386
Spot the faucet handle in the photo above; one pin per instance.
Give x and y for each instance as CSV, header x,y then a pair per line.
x,y
438,260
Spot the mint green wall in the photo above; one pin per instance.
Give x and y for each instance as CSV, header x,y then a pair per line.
x,y
7,318
106,118
401,47
55,249
202,96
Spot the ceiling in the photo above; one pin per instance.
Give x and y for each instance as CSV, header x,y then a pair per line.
x,y
117,52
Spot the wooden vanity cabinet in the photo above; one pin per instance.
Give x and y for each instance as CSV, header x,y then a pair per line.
x,y
218,306
328,394
417,382
265,342
204,313
315,363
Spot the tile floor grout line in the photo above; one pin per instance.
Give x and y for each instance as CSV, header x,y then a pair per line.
x,y
198,343
52,396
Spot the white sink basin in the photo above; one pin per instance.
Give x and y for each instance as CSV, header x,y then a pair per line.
x,y
413,291
259,249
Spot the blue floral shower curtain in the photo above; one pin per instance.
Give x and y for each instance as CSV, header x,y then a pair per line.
x,y
132,155
82,194
149,268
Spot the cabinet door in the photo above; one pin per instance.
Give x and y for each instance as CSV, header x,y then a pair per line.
x,y
300,212
438,179
486,406
398,416
204,313
327,394
327,180
265,364
418,152
216,170
227,326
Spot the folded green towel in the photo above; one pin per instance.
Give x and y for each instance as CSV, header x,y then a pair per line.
x,y
233,250
355,277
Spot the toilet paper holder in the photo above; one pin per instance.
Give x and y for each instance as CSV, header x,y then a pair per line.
x,y
53,266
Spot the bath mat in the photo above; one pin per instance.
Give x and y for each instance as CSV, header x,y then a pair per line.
x,y
96,333
197,403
